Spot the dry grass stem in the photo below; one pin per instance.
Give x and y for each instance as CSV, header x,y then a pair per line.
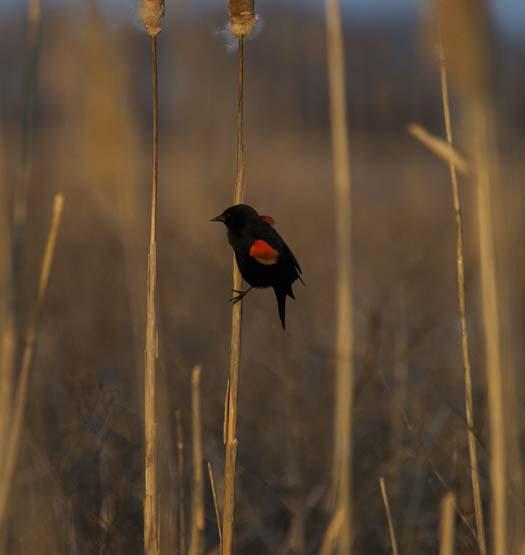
x,y
235,348
465,32
341,475
17,418
469,405
364,389
151,521
446,529
215,503
181,496
238,193
391,529
197,494
444,150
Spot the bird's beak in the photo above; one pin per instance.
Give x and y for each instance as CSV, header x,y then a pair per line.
x,y
219,218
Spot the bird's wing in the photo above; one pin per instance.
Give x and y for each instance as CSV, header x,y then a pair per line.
x,y
263,252
295,263
277,242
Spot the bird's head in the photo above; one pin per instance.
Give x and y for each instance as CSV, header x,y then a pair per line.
x,y
237,217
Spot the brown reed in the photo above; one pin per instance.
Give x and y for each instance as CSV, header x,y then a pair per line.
x,y
446,151
151,13
230,409
151,528
16,419
197,492
460,272
446,529
465,32
341,474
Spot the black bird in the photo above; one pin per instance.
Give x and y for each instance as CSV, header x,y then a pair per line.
x,y
262,256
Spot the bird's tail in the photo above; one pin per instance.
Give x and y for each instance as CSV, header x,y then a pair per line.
x,y
280,293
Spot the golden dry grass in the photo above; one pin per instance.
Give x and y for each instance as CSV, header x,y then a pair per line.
x,y
344,341
78,483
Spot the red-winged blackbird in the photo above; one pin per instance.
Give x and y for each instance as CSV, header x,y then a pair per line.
x,y
262,256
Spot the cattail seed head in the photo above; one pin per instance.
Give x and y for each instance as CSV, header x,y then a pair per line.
x,y
242,17
151,13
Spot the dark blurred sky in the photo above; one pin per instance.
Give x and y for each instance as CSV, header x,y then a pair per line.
x,y
510,14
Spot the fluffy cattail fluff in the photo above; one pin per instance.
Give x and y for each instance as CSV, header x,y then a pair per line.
x,y
242,17
151,13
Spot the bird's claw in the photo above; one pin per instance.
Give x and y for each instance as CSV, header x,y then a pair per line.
x,y
240,295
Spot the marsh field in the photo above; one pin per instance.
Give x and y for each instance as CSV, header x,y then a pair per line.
x,y
75,119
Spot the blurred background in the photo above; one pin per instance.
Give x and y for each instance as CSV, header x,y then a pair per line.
x,y
75,118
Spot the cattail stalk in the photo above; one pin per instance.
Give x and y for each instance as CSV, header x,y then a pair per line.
x,y
16,420
446,530
460,272
151,13
151,524
151,529
197,497
465,30
235,347
341,477
242,18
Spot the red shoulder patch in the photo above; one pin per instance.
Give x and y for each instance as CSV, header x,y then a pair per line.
x,y
264,253
268,220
